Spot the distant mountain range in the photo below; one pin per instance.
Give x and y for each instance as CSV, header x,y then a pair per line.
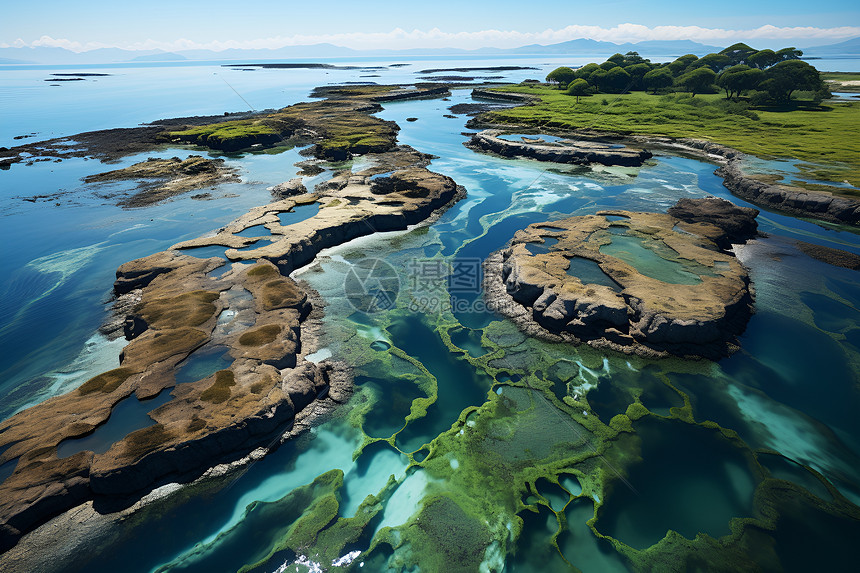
x,y
847,48
651,49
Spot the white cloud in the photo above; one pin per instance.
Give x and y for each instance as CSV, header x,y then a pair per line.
x,y
436,38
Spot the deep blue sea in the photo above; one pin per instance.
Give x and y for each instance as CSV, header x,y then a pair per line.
x,y
789,396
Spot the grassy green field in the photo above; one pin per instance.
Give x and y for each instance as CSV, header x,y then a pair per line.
x,y
824,138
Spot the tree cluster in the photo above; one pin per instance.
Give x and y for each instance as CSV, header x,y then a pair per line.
x,y
767,76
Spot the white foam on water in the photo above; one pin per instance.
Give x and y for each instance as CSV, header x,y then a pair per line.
x,y
540,197
494,559
346,559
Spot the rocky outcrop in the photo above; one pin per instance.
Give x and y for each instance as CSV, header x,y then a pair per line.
x,y
564,151
693,306
160,179
479,93
356,207
288,189
176,308
410,93
717,219
794,200
219,417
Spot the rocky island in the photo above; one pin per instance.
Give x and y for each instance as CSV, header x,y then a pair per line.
x,y
644,283
563,151
180,307
160,179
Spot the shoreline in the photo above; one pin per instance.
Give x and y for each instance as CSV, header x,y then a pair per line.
x,y
794,201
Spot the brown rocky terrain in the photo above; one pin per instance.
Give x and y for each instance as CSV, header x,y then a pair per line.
x,y
632,310
565,151
160,179
788,198
176,307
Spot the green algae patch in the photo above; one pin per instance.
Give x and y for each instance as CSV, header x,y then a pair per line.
x,y
341,127
154,346
146,440
234,135
291,523
219,391
260,336
106,382
635,411
449,538
320,514
188,309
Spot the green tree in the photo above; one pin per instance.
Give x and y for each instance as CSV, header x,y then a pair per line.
x,y
562,76
578,87
619,80
678,66
637,72
608,65
631,58
658,79
715,62
598,79
613,81
789,54
738,79
617,58
585,71
762,59
738,53
786,77
697,81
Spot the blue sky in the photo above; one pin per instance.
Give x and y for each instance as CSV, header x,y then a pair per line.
x,y
365,24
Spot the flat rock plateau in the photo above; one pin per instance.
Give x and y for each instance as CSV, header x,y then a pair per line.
x,y
649,284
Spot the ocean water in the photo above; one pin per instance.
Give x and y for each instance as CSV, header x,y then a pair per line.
x,y
443,385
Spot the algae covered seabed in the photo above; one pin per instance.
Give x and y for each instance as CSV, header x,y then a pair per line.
x,y
468,446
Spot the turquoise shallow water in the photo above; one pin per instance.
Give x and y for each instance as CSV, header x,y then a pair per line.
x,y
793,387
